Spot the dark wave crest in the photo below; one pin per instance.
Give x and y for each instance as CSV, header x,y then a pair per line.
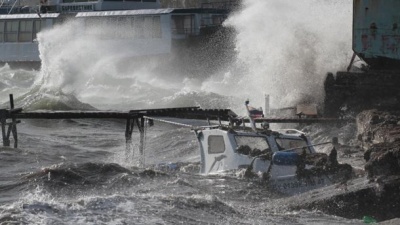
x,y
90,176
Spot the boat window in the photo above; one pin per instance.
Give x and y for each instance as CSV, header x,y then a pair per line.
x,y
25,31
252,144
296,144
216,144
1,31
11,31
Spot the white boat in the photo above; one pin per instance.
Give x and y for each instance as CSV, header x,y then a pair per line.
x,y
285,160
273,156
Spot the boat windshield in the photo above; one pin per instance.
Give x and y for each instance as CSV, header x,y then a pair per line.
x,y
252,145
296,144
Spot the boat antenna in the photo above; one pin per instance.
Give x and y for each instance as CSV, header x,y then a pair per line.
x,y
252,123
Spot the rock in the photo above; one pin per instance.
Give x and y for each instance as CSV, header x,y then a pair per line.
x,y
378,127
379,200
383,160
375,196
391,222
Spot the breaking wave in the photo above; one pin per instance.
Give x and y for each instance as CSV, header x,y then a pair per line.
x,y
282,48
287,47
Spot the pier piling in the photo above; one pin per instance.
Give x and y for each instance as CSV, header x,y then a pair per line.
x,y
12,126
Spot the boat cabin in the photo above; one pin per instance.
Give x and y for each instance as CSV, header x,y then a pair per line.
x,y
226,149
281,158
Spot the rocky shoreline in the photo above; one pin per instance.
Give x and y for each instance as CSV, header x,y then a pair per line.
x,y
375,193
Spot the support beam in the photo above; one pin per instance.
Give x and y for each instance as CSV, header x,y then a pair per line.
x,y
6,141
128,139
140,125
13,125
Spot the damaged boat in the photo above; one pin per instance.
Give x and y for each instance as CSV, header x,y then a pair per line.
x,y
285,160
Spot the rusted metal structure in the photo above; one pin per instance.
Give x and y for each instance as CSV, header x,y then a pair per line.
x,y
376,40
376,32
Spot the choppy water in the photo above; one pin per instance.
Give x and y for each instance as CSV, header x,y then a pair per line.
x,y
77,171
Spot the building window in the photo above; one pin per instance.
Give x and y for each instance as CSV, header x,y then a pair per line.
x,y
183,24
37,26
124,27
25,31
138,28
71,1
218,19
156,27
1,31
216,144
148,26
11,31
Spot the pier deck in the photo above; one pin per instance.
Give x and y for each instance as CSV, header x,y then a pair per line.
x,y
10,117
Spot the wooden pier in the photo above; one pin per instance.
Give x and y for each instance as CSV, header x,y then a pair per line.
x,y
9,118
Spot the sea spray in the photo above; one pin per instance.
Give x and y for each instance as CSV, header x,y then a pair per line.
x,y
285,48
14,81
101,71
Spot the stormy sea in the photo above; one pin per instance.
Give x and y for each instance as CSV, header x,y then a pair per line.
x,y
78,171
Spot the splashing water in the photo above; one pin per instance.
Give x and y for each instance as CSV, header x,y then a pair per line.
x,y
14,81
106,73
283,48
286,48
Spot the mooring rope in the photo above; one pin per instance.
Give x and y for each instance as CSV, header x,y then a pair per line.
x,y
169,122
